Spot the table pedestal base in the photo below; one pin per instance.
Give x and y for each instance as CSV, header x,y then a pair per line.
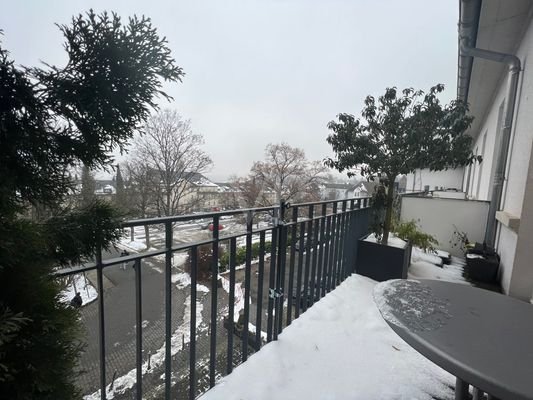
x,y
461,389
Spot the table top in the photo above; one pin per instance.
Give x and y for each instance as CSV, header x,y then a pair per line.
x,y
482,337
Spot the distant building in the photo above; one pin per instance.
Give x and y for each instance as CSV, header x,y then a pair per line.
x,y
200,193
364,189
335,191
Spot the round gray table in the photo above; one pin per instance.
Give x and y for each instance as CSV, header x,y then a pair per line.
x,y
483,338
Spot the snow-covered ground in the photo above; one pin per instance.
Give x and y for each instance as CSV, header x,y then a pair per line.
x,y
183,279
429,266
81,284
238,304
341,348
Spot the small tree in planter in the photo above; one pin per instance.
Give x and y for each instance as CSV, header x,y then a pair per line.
x,y
397,134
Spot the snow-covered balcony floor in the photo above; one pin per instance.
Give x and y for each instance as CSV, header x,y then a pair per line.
x,y
341,348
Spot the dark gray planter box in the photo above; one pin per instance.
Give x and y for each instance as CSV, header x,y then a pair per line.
x,y
382,262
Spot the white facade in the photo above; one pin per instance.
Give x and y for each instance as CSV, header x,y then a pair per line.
x,y
513,245
441,217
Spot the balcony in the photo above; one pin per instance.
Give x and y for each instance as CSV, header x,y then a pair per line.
x,y
166,326
339,349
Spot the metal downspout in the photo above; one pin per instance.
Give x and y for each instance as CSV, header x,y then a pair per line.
x,y
513,63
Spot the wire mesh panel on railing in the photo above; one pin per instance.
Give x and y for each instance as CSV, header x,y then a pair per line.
x,y
225,291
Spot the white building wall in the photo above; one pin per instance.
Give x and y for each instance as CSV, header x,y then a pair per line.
x,y
451,178
517,161
479,185
506,247
522,278
442,217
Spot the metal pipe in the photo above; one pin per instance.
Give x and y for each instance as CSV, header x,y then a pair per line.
x,y
513,62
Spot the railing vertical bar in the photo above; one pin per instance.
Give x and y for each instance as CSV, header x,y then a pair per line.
x,y
101,321
333,248
192,347
327,258
231,302
314,260
321,244
272,281
138,325
168,307
260,283
343,234
291,264
351,242
338,241
347,237
342,241
247,274
214,303
280,275
301,245
308,245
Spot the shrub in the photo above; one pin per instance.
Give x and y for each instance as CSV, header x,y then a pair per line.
x,y
410,232
240,254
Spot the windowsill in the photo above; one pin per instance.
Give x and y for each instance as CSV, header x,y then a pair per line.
x,y
509,220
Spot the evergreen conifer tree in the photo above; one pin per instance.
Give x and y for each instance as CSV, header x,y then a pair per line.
x,y
53,119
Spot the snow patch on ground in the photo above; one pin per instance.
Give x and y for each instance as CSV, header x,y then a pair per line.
x,y
429,266
420,255
239,297
135,245
179,336
183,279
180,259
425,270
253,329
341,348
87,291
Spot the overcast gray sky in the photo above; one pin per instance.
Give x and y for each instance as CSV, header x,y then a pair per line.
x,y
263,71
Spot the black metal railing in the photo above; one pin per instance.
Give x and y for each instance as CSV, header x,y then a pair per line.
x,y
316,241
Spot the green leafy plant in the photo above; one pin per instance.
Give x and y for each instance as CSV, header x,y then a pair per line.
x,y
410,232
240,254
399,132
53,119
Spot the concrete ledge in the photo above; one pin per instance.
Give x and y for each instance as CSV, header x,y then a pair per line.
x,y
509,220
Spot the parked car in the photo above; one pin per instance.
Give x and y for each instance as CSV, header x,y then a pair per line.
x,y
211,227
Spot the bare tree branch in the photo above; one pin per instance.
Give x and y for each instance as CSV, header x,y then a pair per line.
x,y
171,149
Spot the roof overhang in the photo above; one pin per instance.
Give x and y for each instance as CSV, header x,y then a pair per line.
x,y
496,25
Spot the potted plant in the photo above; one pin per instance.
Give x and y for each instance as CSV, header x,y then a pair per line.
x,y
398,133
482,262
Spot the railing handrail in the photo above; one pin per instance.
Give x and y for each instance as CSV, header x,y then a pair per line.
x,y
211,214
185,246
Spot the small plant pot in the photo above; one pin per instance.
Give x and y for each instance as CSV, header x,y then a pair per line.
x,y
482,268
382,262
